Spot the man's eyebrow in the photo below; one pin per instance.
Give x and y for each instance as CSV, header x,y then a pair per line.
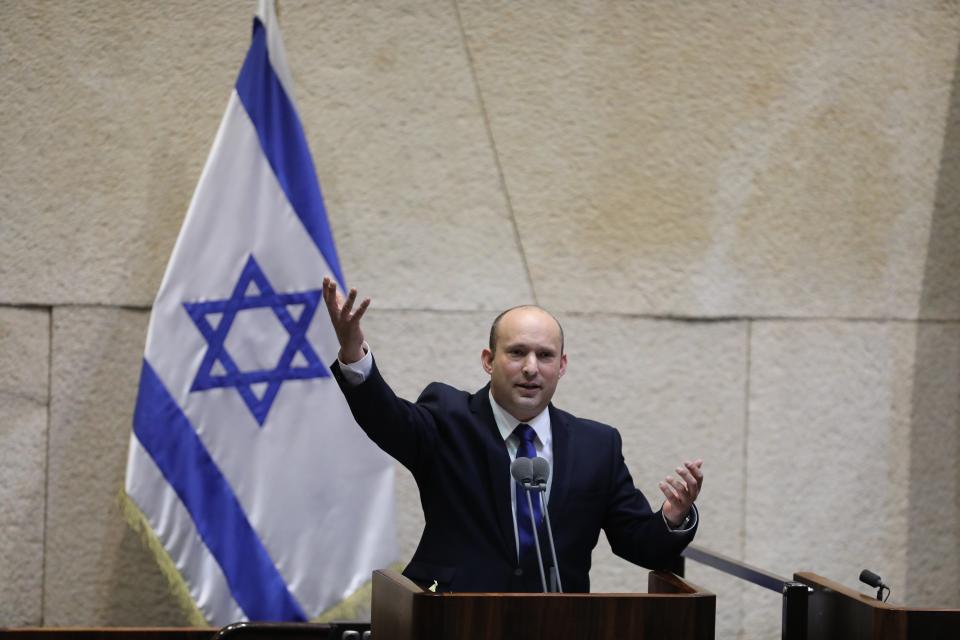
x,y
526,345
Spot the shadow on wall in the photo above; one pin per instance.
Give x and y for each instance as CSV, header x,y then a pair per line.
x,y
933,559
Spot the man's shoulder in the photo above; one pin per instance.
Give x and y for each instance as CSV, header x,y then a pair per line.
x,y
443,393
583,425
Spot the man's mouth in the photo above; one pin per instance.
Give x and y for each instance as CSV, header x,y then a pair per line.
x,y
528,385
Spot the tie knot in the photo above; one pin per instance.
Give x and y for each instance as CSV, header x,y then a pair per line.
x,y
525,432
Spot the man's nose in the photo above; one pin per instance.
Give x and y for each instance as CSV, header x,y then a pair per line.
x,y
530,365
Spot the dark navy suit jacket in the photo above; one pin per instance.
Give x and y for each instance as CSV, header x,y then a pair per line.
x,y
450,442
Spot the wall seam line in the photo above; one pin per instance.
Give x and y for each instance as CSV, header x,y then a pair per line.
x,y
745,466
622,315
46,470
496,153
746,439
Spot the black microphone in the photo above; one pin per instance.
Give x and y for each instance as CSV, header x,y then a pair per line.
x,y
541,473
522,472
870,578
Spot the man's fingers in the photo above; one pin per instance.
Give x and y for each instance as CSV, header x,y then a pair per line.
x,y
670,494
348,305
361,310
696,471
691,480
679,486
330,296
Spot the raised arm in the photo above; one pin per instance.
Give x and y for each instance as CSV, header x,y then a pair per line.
x,y
346,321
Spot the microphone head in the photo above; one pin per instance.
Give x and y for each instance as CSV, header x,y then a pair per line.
x,y
872,579
522,471
541,471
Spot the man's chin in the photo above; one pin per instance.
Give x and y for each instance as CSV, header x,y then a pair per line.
x,y
528,406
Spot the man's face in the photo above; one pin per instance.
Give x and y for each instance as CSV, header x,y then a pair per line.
x,y
527,363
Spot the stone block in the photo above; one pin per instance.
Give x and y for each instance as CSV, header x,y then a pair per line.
x,y
933,534
111,114
111,110
24,381
403,154
98,571
940,298
699,159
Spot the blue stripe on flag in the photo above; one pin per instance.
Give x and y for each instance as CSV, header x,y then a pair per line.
x,y
284,144
166,433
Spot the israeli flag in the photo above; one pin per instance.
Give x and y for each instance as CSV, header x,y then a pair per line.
x,y
245,461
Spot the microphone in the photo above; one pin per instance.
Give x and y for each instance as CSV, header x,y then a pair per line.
x,y
541,473
871,579
522,472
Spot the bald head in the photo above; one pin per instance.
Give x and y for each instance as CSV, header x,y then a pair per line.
x,y
495,327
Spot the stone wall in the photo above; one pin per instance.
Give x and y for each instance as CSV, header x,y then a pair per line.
x,y
747,214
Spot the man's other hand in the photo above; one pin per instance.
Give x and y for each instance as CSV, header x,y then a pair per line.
x,y
681,492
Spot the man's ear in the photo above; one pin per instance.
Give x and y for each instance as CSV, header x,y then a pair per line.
x,y
486,360
563,365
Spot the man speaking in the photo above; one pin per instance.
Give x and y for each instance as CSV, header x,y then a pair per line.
x,y
459,446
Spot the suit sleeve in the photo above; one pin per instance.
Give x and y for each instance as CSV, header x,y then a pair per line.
x,y
636,532
406,431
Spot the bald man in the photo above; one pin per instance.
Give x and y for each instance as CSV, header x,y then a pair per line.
x,y
459,446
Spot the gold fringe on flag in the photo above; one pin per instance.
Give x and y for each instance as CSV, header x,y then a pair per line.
x,y
177,585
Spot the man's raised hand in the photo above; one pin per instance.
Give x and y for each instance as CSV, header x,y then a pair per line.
x,y
346,321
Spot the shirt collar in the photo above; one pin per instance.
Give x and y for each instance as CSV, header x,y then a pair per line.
x,y
506,423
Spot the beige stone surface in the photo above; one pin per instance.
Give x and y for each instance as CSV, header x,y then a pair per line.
x,y
715,159
111,111
404,159
941,294
675,390
98,572
933,534
24,381
844,426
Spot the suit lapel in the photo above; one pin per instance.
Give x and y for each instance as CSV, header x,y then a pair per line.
x,y
498,469
563,444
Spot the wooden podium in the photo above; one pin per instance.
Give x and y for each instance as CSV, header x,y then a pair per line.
x,y
840,613
674,609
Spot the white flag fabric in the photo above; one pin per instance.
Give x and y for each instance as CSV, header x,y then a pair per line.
x,y
245,460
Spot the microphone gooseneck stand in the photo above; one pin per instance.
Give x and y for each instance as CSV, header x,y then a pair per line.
x,y
522,472
541,472
536,537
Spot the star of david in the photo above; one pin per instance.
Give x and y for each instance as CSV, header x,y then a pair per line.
x,y
219,370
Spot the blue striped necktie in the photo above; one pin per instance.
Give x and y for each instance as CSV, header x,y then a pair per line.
x,y
526,434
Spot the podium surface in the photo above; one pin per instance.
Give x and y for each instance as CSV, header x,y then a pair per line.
x,y
836,612
673,608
